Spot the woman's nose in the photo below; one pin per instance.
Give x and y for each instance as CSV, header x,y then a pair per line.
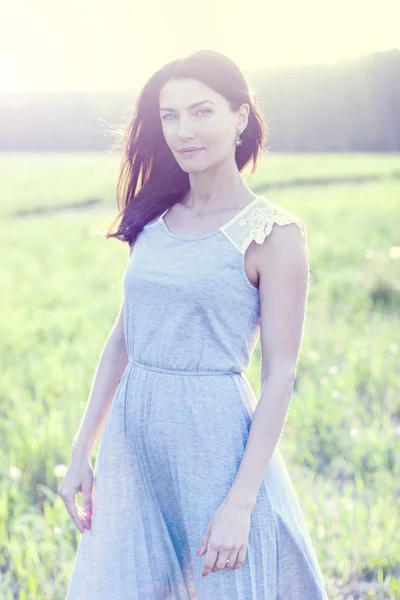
x,y
185,130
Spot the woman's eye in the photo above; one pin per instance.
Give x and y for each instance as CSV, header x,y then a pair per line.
x,y
206,110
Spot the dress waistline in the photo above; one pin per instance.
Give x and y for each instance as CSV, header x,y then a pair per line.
x,y
183,371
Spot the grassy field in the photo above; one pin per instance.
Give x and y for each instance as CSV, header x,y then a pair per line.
x,y
61,290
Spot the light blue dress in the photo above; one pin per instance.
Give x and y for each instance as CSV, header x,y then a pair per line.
x,y
177,430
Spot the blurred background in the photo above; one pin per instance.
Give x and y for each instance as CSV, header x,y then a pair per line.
x,y
327,76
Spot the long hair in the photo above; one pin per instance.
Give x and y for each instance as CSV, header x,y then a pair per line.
x,y
150,179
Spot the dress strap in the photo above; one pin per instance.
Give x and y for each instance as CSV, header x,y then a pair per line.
x,y
257,222
155,220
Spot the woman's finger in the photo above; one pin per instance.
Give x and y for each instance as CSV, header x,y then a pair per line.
x,y
87,497
232,559
240,558
83,516
209,561
219,564
204,543
72,508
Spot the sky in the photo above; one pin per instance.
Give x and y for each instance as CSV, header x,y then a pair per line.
x,y
88,45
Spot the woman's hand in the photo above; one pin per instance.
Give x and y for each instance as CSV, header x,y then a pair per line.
x,y
226,536
78,478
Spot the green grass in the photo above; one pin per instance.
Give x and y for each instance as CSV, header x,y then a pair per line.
x,y
62,287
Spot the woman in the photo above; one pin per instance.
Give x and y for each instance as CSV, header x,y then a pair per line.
x,y
191,497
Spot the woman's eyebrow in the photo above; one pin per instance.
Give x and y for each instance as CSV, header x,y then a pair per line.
x,y
191,106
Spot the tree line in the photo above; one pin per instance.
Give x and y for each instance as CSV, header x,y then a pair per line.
x,y
352,106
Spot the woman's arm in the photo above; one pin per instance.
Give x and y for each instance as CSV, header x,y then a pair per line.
x,y
110,368
283,275
109,371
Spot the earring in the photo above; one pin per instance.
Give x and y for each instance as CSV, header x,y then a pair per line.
x,y
238,139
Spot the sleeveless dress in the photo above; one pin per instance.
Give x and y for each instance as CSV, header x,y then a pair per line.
x,y
177,430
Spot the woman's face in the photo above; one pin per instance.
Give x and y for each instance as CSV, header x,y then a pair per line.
x,y
188,121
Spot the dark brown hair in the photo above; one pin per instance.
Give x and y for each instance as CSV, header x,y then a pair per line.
x,y
150,179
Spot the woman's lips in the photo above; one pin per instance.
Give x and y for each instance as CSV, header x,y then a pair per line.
x,y
191,152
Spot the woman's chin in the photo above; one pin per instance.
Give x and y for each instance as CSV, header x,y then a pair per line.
x,y
192,168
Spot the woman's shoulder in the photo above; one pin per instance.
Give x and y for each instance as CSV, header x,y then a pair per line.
x,y
257,222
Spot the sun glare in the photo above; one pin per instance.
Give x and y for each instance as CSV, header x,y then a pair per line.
x,y
101,46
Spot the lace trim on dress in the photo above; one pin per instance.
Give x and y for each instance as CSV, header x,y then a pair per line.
x,y
257,224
